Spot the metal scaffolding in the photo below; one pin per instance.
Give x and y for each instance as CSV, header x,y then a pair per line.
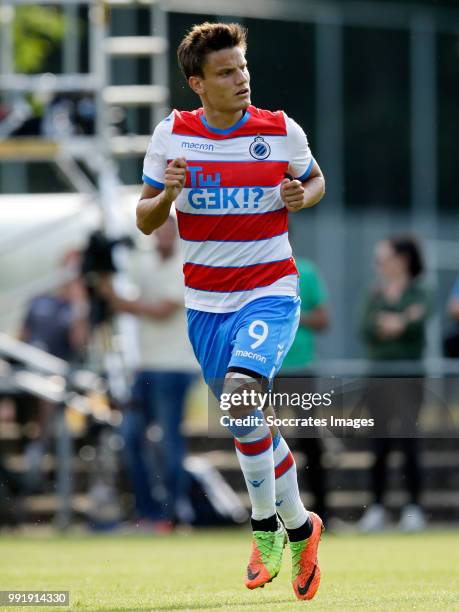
x,y
100,151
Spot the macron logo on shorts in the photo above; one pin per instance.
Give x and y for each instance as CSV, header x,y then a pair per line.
x,y
250,355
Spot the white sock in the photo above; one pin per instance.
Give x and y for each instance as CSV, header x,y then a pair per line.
x,y
288,502
255,454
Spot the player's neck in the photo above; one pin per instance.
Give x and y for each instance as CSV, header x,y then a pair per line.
x,y
220,120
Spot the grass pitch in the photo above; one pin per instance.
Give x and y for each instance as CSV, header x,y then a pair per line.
x,y
204,571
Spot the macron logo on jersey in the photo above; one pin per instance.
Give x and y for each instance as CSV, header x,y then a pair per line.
x,y
197,146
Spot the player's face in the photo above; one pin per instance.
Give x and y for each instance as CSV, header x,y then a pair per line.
x,y
225,86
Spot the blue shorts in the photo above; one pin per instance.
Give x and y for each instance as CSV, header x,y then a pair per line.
x,y
257,337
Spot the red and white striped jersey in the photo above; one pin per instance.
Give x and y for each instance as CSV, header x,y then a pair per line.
x,y
231,219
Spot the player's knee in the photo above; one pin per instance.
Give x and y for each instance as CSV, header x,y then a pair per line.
x,y
243,403
242,393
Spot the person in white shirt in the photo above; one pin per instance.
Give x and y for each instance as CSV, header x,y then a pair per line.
x,y
166,370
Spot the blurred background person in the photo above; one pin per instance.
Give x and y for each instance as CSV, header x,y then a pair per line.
x,y
393,329
451,340
314,318
167,369
55,322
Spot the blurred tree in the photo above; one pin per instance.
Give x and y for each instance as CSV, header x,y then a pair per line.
x,y
37,29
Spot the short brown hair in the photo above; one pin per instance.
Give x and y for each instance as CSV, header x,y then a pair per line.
x,y
205,38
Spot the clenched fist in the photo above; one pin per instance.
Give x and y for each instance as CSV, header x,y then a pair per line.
x,y
292,194
174,178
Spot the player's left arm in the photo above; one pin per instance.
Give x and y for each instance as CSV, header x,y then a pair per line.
x,y
297,195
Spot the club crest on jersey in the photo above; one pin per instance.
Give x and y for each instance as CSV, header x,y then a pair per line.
x,y
260,149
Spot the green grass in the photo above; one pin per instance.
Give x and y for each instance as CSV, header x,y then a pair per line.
x,y
204,571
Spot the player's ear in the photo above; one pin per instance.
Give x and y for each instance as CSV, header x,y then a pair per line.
x,y
196,84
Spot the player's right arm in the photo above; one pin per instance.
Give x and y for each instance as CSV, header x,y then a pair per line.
x,y
155,204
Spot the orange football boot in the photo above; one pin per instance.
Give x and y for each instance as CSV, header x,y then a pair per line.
x,y
305,567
